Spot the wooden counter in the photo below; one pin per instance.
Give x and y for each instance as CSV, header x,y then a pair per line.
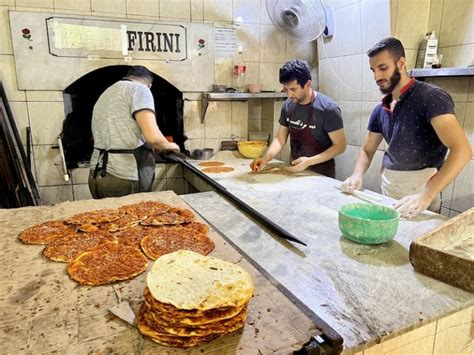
x,y
43,311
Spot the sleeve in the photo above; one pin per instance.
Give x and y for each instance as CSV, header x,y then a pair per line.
x,y
142,99
283,111
438,102
333,119
374,122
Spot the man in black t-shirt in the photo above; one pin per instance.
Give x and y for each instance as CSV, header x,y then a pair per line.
x,y
418,123
311,120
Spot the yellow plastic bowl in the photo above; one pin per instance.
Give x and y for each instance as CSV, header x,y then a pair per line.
x,y
252,149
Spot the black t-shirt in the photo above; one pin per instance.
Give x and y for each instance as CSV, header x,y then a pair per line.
x,y
326,118
412,141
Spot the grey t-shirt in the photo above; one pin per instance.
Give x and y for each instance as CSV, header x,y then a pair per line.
x,y
114,125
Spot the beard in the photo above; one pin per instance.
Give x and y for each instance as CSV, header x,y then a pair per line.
x,y
394,80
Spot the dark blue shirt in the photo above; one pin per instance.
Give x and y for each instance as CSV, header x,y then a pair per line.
x,y
412,142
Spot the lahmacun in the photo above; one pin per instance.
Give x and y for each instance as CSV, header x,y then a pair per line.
x,y
46,232
106,264
68,247
95,217
166,240
144,209
174,216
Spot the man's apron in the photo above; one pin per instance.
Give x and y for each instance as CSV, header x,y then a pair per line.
x,y
145,164
398,184
303,144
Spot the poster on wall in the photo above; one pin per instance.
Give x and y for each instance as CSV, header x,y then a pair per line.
x,y
225,41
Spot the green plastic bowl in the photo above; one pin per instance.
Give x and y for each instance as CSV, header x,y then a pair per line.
x,y
368,223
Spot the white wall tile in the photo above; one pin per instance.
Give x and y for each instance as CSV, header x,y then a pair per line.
x,y
218,120
176,9
345,162
197,10
5,38
457,56
371,92
218,10
470,97
81,192
269,76
9,3
52,195
374,24
35,3
74,5
176,185
223,72
327,47
350,72
252,76
264,17
248,36
410,55
193,128
8,79
20,115
46,119
240,120
49,168
328,82
351,114
247,11
372,177
160,185
434,21
192,144
296,49
469,123
41,96
463,189
412,22
457,24
174,171
161,171
349,32
80,175
147,8
457,87
109,7
272,44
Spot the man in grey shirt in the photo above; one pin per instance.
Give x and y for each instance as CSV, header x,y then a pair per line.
x,y
125,133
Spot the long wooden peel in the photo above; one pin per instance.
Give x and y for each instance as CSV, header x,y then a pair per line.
x,y
180,158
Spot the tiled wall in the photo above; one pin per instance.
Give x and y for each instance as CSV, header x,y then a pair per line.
x,y
265,50
408,20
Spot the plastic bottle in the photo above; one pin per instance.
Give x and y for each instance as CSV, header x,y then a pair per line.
x,y
431,50
239,72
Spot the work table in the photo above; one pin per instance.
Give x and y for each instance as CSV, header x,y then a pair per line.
x,y
368,294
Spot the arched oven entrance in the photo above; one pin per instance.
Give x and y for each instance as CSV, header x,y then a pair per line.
x,y
81,96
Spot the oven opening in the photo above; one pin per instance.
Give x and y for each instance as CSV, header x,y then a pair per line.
x,y
81,96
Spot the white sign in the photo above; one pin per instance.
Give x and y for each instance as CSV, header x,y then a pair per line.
x,y
225,41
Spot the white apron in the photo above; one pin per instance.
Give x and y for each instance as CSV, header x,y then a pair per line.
x,y
398,184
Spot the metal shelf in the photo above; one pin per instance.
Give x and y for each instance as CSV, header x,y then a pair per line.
x,y
237,96
441,72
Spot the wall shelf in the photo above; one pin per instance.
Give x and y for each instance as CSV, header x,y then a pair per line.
x,y
237,96
441,72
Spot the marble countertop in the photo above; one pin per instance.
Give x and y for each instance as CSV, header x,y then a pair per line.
x,y
366,293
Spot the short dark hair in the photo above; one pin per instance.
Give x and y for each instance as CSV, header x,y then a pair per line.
x,y
390,44
295,70
139,71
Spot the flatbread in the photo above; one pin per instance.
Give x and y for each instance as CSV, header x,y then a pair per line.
x,y
144,209
189,280
211,163
133,236
68,247
189,317
200,227
124,222
217,169
95,217
174,216
46,232
106,264
166,240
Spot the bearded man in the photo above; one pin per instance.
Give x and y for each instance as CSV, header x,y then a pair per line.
x,y
418,122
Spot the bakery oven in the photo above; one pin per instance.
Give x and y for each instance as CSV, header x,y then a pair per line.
x,y
82,94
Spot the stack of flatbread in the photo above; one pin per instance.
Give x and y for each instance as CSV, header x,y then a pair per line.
x,y
191,299
108,245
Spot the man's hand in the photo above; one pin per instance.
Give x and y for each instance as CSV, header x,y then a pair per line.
x,y
352,183
257,164
299,164
172,146
411,205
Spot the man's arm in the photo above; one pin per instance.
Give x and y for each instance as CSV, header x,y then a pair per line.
x,y
275,147
452,136
364,159
338,139
147,122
